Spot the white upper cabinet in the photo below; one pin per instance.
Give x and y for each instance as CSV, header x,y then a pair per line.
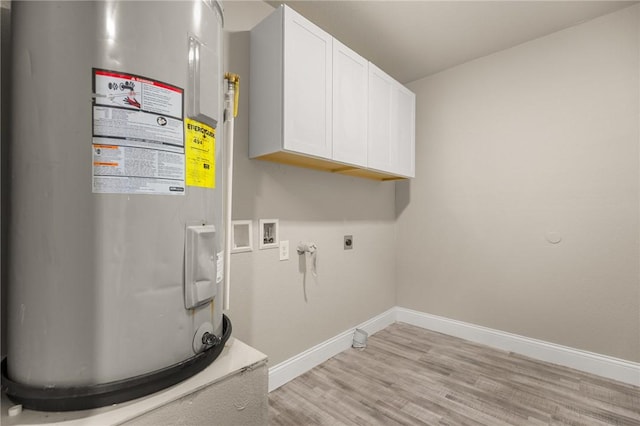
x,y
313,102
307,86
391,125
290,87
350,103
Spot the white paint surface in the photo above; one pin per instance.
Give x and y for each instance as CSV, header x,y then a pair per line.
x,y
275,305
413,39
541,137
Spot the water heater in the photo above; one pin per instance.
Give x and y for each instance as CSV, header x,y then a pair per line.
x,y
116,255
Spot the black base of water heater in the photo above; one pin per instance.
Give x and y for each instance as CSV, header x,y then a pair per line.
x,y
94,396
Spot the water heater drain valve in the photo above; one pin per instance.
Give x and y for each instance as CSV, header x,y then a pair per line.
x,y
210,339
204,338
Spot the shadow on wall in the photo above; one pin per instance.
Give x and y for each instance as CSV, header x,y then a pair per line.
x,y
403,196
292,193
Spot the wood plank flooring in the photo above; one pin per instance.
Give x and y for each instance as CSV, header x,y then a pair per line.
x,y
411,376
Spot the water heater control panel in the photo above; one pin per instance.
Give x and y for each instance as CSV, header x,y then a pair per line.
x,y
200,265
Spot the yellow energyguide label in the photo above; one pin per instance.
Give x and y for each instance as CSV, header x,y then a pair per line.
x,y
200,151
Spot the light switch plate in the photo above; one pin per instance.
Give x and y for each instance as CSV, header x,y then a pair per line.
x,y
284,250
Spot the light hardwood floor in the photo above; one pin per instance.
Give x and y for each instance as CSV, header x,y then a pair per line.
x,y
408,375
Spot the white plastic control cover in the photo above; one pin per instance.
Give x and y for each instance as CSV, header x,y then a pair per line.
x,y
200,265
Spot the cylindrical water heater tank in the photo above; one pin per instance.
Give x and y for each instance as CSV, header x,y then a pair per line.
x,y
116,218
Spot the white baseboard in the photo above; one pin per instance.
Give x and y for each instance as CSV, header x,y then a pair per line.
x,y
601,365
305,361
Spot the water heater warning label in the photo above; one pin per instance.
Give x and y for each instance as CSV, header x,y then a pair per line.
x,y
200,151
138,136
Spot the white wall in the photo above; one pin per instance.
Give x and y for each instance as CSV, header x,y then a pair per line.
x,y
268,307
539,138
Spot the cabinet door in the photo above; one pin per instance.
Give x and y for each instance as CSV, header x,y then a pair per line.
x,y
307,87
381,105
350,103
391,138
405,132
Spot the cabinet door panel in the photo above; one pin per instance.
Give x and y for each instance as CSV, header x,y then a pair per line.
x,y
350,103
307,87
405,159
391,125
380,125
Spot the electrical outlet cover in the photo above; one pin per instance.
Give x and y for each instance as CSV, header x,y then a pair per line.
x,y
284,250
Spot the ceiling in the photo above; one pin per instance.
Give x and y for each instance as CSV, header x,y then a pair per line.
x,y
412,39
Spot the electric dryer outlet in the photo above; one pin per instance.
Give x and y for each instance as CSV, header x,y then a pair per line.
x,y
348,242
